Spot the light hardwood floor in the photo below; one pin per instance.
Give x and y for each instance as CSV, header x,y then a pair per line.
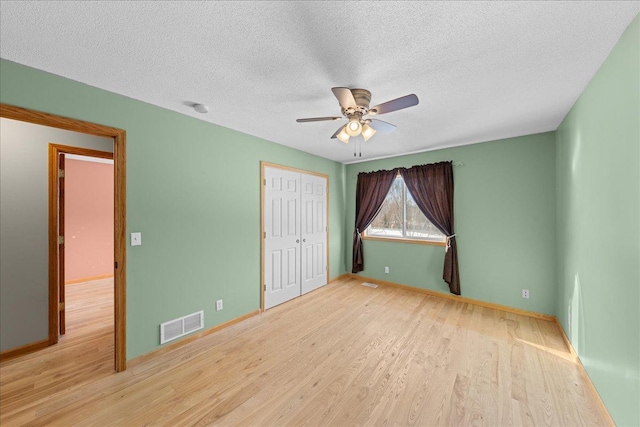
x,y
342,355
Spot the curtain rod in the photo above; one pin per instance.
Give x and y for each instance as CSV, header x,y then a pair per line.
x,y
453,163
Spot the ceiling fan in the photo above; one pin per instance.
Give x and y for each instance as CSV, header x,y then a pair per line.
x,y
355,107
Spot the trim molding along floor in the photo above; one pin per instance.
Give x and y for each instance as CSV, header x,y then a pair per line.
x,y
23,349
583,371
455,297
89,279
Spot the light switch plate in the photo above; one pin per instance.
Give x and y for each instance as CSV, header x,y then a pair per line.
x,y
136,239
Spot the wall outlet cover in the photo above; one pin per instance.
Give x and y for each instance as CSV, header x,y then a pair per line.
x,y
219,305
525,293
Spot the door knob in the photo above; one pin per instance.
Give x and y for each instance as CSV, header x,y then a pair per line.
x,y
304,240
297,240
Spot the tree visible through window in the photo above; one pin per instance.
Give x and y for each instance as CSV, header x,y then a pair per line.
x,y
400,217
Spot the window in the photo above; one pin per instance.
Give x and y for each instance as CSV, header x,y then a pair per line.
x,y
401,218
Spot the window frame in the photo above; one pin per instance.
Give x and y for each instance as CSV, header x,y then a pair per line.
x,y
431,242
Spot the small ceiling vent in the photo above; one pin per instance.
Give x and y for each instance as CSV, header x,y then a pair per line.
x,y
177,328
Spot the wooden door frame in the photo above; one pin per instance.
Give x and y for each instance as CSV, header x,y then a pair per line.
x,y
119,164
264,165
55,150
59,179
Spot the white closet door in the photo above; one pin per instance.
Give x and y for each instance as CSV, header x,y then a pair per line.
x,y
282,241
314,232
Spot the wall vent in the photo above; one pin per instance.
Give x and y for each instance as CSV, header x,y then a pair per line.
x,y
180,327
369,285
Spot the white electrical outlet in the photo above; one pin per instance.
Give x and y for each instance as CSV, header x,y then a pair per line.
x,y
219,305
386,270
525,293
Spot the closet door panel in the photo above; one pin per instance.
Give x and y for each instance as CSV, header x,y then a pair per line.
x,y
314,232
282,241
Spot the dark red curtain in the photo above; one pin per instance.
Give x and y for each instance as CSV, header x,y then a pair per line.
x,y
371,190
432,188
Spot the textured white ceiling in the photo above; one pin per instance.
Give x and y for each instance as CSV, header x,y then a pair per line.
x,y
482,70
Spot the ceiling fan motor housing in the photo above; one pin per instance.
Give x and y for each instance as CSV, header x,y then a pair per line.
x,y
362,98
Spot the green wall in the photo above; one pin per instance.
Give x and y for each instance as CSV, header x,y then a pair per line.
x,y
598,169
504,220
193,190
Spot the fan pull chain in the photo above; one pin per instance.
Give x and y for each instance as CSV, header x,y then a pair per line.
x,y
357,151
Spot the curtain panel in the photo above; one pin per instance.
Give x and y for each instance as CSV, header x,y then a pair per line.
x,y
371,190
432,189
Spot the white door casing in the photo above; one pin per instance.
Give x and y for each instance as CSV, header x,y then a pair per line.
x,y
314,232
282,240
295,234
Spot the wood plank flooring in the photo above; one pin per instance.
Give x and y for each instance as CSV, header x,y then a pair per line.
x,y
343,355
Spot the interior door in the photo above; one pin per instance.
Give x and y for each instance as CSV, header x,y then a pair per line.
x,y
314,232
282,236
61,274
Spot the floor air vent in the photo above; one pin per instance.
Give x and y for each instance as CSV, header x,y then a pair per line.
x,y
180,327
369,285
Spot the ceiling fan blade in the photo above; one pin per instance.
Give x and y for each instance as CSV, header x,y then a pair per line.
x,y
317,119
335,135
395,105
345,97
380,126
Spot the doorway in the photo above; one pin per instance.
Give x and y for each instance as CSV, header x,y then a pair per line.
x,y
85,234
119,157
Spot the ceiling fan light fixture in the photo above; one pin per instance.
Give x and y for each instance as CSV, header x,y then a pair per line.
x,y
354,127
367,132
343,135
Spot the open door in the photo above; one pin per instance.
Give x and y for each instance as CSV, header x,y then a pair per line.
x,y
61,242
